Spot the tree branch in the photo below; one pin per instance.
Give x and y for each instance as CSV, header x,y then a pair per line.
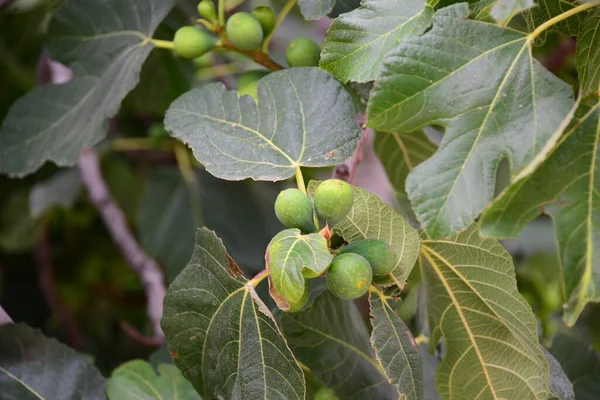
x,y
114,220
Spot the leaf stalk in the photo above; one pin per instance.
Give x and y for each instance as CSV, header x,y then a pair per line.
x,y
553,21
258,278
300,180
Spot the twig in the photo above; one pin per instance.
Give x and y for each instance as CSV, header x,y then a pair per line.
x,y
115,222
256,55
4,317
43,257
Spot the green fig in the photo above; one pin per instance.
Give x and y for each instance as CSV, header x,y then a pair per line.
x,y
333,200
303,52
191,42
248,82
244,31
294,210
349,276
206,9
266,17
379,254
325,393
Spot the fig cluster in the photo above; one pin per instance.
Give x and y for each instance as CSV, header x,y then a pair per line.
x,y
355,264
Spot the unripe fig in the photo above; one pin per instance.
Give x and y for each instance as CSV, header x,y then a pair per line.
x,y
206,9
157,131
379,254
266,17
204,61
294,210
349,276
244,31
333,200
248,82
191,42
297,306
325,393
303,52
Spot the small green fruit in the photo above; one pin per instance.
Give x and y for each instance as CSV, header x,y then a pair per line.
x,y
379,254
204,61
244,31
333,200
297,306
158,131
294,210
206,9
248,82
303,52
325,393
349,276
192,42
266,17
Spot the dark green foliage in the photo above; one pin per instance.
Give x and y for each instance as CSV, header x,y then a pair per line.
x,y
349,276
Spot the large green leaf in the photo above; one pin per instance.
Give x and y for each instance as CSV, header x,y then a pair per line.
x,y
221,335
548,9
34,367
588,54
396,349
358,41
55,122
314,9
304,117
289,253
481,82
490,331
330,338
566,187
137,379
371,218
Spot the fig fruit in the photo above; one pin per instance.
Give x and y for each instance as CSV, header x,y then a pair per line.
x,y
303,52
349,276
244,31
379,254
191,42
333,200
294,210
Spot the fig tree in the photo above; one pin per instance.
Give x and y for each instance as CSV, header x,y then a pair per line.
x,y
248,82
333,200
244,31
325,393
303,52
349,276
266,17
206,9
297,306
379,254
294,210
191,42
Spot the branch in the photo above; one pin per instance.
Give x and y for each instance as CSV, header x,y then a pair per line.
x,y
115,222
256,55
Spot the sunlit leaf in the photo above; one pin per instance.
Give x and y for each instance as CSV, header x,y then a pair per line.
x,y
566,187
497,102
588,54
137,379
489,329
221,335
304,117
331,339
34,367
55,122
358,41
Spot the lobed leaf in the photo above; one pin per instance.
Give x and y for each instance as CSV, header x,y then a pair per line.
x,y
566,187
496,101
56,122
330,338
34,367
548,9
358,41
588,54
222,337
490,331
304,117
138,379
396,349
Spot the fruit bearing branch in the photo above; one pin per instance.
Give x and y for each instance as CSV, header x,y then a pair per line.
x,y
115,222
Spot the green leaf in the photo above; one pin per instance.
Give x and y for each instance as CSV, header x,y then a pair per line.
x,y
34,367
371,218
495,100
400,153
358,41
565,187
331,339
560,385
288,254
504,10
588,54
55,122
548,9
490,331
61,190
304,117
221,335
396,349
138,379
343,6
19,232
314,9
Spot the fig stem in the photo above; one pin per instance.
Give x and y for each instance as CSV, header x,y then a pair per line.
x,y
207,24
300,180
282,14
256,55
163,44
421,339
221,11
258,278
